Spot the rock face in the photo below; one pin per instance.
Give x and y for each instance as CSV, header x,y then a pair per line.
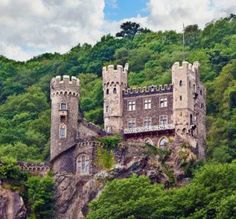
x,y
11,205
74,193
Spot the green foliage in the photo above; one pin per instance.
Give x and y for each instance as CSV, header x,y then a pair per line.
x,y
24,86
130,29
110,142
40,196
11,175
163,153
105,158
211,194
105,154
37,191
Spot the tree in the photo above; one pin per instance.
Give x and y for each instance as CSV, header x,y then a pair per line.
x,y
130,29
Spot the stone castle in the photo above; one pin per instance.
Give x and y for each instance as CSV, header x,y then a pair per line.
x,y
163,116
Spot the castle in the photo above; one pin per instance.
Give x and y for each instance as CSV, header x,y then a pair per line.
x,y
156,115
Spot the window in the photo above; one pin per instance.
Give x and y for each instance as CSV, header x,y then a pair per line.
x,y
147,122
201,92
163,120
83,164
114,90
147,104
163,142
131,105
62,131
163,102
131,123
62,118
180,98
63,106
107,109
107,92
191,119
202,105
148,141
180,83
189,84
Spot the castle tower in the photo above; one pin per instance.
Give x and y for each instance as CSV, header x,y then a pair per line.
x,y
64,118
188,99
114,82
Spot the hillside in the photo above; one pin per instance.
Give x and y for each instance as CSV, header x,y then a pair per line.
x,y
24,86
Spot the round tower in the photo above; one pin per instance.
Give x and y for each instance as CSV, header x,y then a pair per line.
x,y
64,119
114,82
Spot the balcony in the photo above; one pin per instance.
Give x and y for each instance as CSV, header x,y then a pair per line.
x,y
148,129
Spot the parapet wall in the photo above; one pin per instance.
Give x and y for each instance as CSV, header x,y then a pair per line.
x,y
65,85
148,90
112,75
35,169
186,65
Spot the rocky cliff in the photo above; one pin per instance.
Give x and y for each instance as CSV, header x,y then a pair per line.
x,y
73,192
11,205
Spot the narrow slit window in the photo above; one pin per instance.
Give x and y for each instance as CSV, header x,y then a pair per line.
x,y
62,131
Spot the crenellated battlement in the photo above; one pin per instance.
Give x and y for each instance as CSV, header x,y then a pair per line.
x,y
186,65
34,169
65,85
113,75
153,89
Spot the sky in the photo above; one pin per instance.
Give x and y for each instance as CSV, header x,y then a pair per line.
x,y
33,27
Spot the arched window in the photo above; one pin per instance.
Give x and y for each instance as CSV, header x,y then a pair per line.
x,y
63,106
180,83
62,131
114,90
148,141
163,142
82,164
107,92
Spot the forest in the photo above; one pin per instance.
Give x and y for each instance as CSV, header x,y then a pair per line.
x,y
25,111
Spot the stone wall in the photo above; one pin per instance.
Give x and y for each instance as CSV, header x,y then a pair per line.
x,y
64,90
140,113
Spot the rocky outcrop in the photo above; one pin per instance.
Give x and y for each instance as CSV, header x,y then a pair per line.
x,y
74,193
11,205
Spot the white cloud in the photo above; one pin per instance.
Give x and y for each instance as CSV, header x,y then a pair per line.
x,y
169,14
32,27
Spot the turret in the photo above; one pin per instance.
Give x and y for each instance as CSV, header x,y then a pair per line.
x,y
114,82
64,117
185,79
189,104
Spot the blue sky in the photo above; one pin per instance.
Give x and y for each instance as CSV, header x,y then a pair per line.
x,y
32,27
121,9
